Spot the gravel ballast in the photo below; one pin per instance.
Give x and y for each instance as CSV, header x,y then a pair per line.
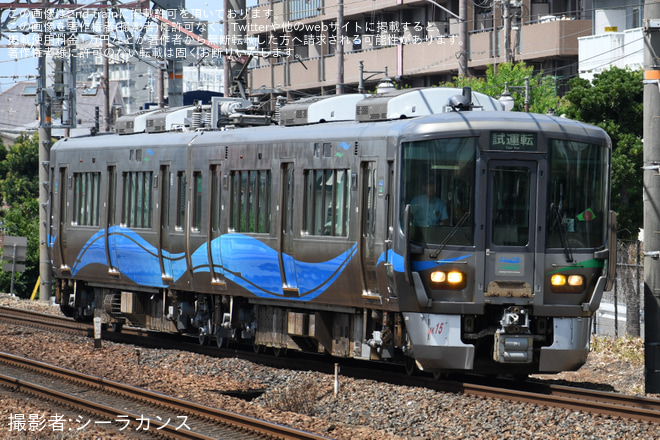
x,y
363,409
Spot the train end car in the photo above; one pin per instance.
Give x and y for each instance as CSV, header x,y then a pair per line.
x,y
508,281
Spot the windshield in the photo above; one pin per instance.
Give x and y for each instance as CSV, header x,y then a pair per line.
x,y
578,195
510,195
437,183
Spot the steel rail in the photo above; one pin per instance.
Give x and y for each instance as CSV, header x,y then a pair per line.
x,y
559,396
214,415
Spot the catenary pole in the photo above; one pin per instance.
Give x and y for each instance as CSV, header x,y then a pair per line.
x,y
463,38
652,195
43,102
340,47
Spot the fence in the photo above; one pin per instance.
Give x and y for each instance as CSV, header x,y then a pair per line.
x,y
621,311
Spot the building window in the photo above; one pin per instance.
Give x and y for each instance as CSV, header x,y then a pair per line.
x,y
327,202
86,199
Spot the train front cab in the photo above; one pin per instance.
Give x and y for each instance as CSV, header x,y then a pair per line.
x,y
509,282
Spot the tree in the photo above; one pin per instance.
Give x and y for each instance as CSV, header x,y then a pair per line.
x,y
19,170
614,102
22,220
19,188
542,89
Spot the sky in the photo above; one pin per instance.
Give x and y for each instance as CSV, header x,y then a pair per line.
x,y
13,69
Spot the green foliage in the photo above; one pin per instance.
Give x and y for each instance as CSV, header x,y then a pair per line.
x,y
614,101
19,188
22,220
19,170
542,89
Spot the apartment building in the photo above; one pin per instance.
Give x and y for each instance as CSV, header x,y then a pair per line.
x,y
417,41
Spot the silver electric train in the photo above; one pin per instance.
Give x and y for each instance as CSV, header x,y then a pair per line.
x,y
427,231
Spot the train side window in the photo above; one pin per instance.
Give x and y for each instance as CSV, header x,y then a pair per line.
x,y
369,199
137,208
112,188
180,200
86,193
327,202
578,194
250,201
327,149
197,201
216,205
263,205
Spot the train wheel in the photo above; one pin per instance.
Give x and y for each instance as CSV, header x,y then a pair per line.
x,y
67,311
279,351
116,327
258,348
439,375
203,337
410,365
221,341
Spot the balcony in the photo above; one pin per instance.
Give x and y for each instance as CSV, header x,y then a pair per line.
x,y
423,57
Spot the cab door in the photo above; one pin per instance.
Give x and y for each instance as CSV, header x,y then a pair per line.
x,y
511,232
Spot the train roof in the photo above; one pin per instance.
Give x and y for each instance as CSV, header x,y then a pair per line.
x,y
454,122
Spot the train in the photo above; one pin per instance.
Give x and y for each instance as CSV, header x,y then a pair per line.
x,y
425,228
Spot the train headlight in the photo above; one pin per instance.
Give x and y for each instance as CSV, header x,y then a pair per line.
x,y
453,280
455,277
438,276
558,280
576,281
567,283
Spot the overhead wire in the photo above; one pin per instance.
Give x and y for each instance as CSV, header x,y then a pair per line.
x,y
483,4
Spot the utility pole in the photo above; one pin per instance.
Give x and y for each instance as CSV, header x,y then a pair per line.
x,y
463,38
506,16
162,66
105,79
340,47
236,44
225,58
652,195
45,143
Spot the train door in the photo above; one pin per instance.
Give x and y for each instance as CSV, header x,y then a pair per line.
x,y
286,255
368,176
511,232
110,222
61,240
165,179
215,245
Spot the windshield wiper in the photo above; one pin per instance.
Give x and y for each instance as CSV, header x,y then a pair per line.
x,y
442,245
562,233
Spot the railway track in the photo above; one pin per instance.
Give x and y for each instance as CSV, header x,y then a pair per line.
x,y
142,410
532,392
